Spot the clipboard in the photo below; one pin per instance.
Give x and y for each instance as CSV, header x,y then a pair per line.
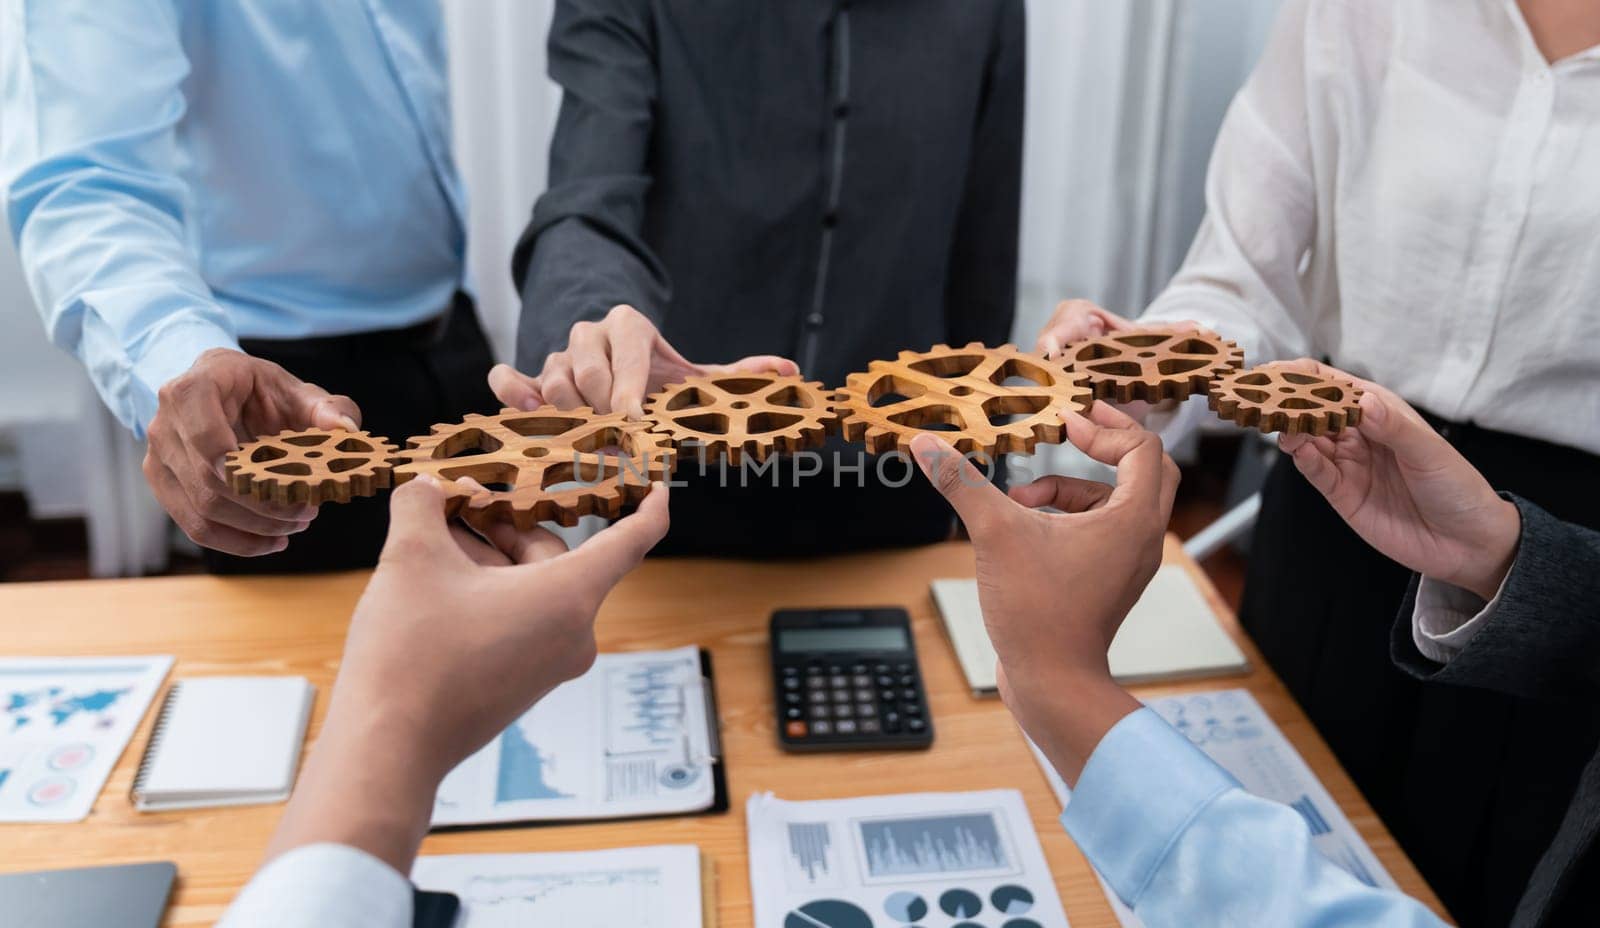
x,y
720,801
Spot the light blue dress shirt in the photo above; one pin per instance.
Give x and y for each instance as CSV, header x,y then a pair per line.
x,y
179,174
1181,843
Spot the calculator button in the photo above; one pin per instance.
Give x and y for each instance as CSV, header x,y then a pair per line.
x,y
866,710
841,695
911,708
791,671
884,680
907,680
861,679
880,668
791,683
821,728
793,712
845,727
902,668
791,698
864,695
916,725
838,680
858,668
886,696
816,682
909,694
844,710
892,719
795,729
835,668
819,712
870,727
817,696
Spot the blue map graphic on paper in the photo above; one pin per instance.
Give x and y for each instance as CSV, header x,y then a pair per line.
x,y
522,769
24,707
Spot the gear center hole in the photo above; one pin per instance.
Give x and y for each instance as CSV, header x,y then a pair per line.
x,y
740,404
313,454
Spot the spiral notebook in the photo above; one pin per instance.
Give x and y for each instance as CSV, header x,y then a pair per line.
x,y
224,741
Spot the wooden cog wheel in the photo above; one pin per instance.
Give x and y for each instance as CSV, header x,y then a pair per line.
x,y
310,467
741,415
1152,365
548,465
1278,399
966,395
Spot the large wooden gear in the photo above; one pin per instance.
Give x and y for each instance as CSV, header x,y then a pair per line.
x,y
966,395
743,415
548,465
1152,365
310,467
1279,399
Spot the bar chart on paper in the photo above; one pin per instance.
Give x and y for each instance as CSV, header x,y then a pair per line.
x,y
899,860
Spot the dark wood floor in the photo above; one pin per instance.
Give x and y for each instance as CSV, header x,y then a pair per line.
x,y
57,549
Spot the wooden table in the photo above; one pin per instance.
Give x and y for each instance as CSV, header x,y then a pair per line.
x,y
297,626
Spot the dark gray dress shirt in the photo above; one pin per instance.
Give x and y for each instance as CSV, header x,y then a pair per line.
x,y
827,180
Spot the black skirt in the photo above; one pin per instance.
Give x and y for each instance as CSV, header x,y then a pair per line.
x,y
1472,783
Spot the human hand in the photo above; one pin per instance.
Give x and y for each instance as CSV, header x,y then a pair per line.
x,y
1055,587
454,638
225,398
1076,320
1407,492
612,365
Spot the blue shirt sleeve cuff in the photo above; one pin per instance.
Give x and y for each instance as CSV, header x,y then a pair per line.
x,y
168,357
1141,788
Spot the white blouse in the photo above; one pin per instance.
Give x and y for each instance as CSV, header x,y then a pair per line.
x,y
1409,188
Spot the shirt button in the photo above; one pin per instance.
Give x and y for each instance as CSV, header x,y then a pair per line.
x,y
830,219
841,111
814,319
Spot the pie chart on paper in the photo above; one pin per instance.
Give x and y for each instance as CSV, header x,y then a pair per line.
x,y
827,913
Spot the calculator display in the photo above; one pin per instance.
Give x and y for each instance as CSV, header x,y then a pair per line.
x,y
871,638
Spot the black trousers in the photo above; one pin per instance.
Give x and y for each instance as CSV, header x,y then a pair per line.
x,y
792,510
1472,783
404,381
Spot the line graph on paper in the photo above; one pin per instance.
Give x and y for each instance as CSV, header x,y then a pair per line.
x,y
582,899
961,844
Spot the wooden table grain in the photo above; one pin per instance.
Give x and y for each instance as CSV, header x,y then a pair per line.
x,y
296,626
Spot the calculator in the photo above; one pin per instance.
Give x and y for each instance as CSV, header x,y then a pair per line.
x,y
848,680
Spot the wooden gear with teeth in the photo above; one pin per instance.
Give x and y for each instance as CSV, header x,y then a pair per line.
x,y
967,396
1152,365
310,467
548,465
1280,399
743,415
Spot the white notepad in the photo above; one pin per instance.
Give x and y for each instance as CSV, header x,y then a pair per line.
x,y
224,741
1171,633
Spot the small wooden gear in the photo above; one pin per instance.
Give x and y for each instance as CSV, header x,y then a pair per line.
x,y
548,465
1278,399
741,415
1152,365
968,395
310,467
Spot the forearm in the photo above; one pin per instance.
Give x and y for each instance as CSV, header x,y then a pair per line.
x,y
368,784
1179,841
93,195
1541,638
